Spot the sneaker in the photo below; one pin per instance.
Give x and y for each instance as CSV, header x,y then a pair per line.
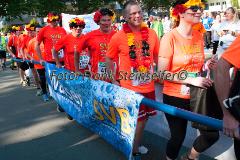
x,y
39,92
45,97
142,150
60,109
28,81
136,156
23,83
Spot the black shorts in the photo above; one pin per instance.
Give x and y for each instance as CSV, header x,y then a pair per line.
x,y
24,66
2,54
31,65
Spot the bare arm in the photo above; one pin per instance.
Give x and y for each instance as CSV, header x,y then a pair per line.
x,y
110,68
56,58
222,84
38,50
10,51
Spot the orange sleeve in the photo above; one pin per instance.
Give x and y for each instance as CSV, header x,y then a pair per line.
x,y
82,43
166,47
156,46
10,41
112,51
232,53
23,43
60,43
30,47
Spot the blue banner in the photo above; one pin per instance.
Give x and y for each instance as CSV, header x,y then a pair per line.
x,y
106,109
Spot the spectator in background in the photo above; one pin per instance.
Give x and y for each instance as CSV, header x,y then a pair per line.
x,y
157,26
214,29
166,25
3,44
228,30
149,22
207,22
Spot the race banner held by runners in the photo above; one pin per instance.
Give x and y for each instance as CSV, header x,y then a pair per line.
x,y
104,108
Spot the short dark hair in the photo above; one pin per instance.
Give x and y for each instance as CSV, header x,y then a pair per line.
x,y
129,3
106,12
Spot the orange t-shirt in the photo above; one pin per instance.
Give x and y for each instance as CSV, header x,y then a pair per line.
x,y
184,55
13,41
118,47
49,36
97,44
199,27
21,38
232,53
25,42
67,43
31,50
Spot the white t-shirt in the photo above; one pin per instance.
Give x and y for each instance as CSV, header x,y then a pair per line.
x,y
215,29
228,38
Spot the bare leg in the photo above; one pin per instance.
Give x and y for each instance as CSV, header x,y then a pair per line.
x,y
138,135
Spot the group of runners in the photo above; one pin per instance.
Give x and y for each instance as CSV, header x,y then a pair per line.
x,y
134,49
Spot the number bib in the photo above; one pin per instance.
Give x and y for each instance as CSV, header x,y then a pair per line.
x,y
142,78
83,61
102,67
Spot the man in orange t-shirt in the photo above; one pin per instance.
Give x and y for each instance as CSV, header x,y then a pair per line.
x,y
69,43
13,49
230,58
137,47
97,41
49,35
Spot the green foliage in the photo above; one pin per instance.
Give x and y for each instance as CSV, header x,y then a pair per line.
x,y
15,8
235,3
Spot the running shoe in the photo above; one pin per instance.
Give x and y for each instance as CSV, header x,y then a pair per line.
x,y
45,97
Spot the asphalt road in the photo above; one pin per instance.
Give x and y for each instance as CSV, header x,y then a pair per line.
x,y
33,130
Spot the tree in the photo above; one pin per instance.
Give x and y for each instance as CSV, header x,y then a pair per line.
x,y
16,8
235,3
89,6
149,5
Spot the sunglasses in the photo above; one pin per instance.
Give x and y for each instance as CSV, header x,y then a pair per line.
x,y
196,8
78,26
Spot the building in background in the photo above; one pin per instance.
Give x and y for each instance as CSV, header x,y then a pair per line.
x,y
221,5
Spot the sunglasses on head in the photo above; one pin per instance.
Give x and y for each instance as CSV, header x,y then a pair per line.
x,y
195,8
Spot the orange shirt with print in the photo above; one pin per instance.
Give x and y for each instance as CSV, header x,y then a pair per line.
x,y
183,55
67,43
49,36
13,42
118,47
31,50
97,44
232,54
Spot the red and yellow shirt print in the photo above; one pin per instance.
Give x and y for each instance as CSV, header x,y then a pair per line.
x,y
49,36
